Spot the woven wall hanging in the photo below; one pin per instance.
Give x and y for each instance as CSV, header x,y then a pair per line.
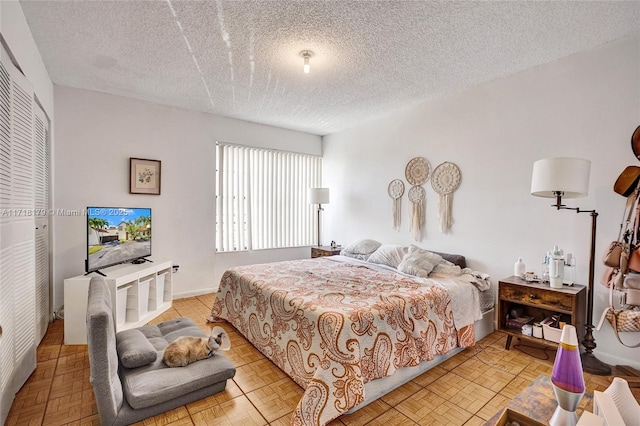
x,y
417,196
445,180
396,189
417,173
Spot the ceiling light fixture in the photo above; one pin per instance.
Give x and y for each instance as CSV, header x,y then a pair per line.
x,y
306,54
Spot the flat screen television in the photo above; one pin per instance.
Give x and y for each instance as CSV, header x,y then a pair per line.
x,y
117,235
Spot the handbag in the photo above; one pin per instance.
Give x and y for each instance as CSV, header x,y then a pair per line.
x,y
612,278
634,259
632,289
634,254
632,281
626,319
607,276
617,254
633,297
613,254
624,260
618,280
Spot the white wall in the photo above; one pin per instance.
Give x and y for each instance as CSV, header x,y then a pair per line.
x,y
586,105
97,134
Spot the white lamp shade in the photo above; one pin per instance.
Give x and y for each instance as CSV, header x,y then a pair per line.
x,y
567,175
318,195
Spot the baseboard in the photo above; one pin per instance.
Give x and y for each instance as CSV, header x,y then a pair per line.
x,y
199,292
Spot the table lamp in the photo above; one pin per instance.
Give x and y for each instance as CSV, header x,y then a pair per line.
x,y
319,196
569,178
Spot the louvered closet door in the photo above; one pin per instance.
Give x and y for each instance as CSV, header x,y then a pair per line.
x,y
41,143
6,263
17,260
23,226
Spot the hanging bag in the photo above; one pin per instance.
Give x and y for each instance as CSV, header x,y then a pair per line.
x,y
617,254
626,319
607,276
634,253
632,289
633,296
613,254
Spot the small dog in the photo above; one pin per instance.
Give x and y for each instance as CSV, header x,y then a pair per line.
x,y
185,350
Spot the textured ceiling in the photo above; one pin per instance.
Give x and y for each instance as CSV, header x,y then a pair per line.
x,y
240,58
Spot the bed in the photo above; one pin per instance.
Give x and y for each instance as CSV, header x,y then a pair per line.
x,y
348,330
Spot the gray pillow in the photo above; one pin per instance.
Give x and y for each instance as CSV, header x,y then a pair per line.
x,y
360,249
388,254
456,259
134,349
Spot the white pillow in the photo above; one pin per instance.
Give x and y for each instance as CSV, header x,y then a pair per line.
x,y
389,254
419,262
360,249
446,267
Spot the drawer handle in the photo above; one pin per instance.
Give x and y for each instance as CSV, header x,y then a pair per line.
x,y
533,296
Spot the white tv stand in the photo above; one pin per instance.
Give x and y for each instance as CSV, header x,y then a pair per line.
x,y
139,293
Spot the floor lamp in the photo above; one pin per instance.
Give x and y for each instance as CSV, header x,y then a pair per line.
x,y
319,196
569,178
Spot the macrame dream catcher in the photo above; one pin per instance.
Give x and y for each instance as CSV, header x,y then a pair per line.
x,y
396,189
445,180
417,173
417,196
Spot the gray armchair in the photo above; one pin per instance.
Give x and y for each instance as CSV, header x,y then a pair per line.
x,y
145,386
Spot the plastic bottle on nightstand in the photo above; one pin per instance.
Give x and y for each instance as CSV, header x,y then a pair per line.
x,y
518,268
569,269
545,268
556,268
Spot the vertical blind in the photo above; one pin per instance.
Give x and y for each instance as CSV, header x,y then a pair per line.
x,y
261,198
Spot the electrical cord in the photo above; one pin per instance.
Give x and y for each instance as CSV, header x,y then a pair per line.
x,y
521,347
59,314
491,356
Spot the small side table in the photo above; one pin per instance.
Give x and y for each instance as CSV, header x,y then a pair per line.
x,y
538,403
539,300
324,251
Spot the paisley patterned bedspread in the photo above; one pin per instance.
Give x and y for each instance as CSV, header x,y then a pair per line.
x,y
332,327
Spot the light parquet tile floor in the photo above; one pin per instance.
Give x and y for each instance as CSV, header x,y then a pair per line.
x,y
467,389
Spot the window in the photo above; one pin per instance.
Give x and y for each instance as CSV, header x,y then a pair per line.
x,y
261,198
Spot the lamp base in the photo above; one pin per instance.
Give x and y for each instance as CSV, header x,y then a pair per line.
x,y
592,365
562,417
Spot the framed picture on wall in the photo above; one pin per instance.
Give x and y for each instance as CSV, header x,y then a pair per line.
x,y
144,176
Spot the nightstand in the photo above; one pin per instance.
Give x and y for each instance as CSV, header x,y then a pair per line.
x,y
325,251
539,300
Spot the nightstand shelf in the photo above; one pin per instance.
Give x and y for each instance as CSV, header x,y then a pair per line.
x,y
539,300
324,251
